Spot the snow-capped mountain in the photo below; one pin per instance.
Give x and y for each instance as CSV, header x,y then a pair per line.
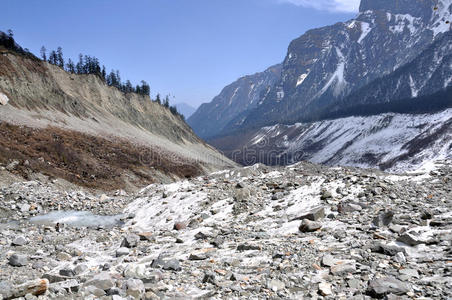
x,y
235,99
395,56
327,64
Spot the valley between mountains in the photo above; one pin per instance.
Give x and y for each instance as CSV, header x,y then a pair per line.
x,y
327,176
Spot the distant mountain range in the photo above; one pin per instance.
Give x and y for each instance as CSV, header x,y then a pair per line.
x,y
185,109
392,52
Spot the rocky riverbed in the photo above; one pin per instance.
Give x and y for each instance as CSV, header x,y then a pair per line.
x,y
300,232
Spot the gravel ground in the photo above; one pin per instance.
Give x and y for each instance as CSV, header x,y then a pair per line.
x,y
300,232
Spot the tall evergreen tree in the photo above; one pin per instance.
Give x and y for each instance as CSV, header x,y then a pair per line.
x,y
70,66
157,99
44,53
79,66
60,59
104,73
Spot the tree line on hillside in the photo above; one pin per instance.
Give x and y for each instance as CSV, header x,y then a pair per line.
x,y
87,65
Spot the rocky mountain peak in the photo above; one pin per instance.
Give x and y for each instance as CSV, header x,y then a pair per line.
x,y
416,8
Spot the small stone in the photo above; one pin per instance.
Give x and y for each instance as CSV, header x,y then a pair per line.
x,y
180,226
67,272
63,256
275,285
18,260
409,272
135,288
343,268
92,290
197,256
387,285
325,289
326,195
79,269
200,236
172,264
146,236
246,247
313,215
102,281
209,278
122,252
427,215
309,226
400,258
19,241
410,239
383,219
130,241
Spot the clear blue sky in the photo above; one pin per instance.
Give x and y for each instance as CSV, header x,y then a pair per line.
x,y
190,49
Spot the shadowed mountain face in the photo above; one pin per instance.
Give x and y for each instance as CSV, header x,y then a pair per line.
x,y
234,100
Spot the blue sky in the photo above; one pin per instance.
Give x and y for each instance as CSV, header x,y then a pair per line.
x,y
190,49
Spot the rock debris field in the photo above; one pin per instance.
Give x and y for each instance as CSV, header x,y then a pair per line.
x,y
300,232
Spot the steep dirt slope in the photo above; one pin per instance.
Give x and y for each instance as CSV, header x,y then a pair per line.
x,y
42,95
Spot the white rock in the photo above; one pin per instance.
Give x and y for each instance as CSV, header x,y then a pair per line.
x,y
325,289
3,99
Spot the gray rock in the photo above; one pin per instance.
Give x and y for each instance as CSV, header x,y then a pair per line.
x,y
172,264
18,260
313,215
383,219
209,278
410,239
134,288
79,269
68,272
309,226
122,251
246,247
387,285
130,241
19,241
344,268
93,290
102,281
275,285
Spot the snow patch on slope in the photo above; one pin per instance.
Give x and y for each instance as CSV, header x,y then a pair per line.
x,y
337,77
441,16
365,30
301,79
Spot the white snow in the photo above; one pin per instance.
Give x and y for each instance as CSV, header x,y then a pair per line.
x,y
414,90
337,77
301,78
365,29
347,141
441,16
405,21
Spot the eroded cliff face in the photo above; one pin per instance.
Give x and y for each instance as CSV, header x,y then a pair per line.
x,y
42,96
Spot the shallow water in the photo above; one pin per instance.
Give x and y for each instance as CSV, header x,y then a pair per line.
x,y
77,219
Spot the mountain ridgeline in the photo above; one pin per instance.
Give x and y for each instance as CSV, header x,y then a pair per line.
x,y
391,58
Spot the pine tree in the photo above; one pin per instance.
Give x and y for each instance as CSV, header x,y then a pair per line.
x,y
70,66
79,66
44,53
166,102
60,60
157,99
53,57
104,73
